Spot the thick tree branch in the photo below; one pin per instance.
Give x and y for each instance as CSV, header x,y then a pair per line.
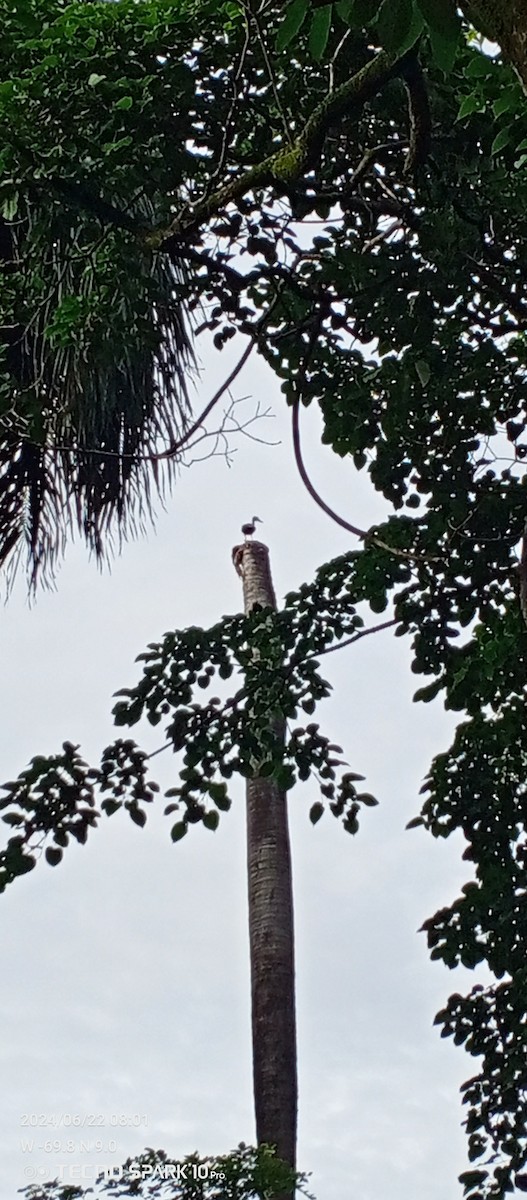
x,y
419,114
504,22
287,165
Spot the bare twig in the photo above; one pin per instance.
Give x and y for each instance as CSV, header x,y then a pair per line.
x,y
383,236
356,637
254,15
178,445
228,122
229,426
343,39
523,575
368,159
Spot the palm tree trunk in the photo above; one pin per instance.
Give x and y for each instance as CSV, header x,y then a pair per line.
x,y
271,932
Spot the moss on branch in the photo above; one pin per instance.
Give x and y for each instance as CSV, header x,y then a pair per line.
x,y
288,165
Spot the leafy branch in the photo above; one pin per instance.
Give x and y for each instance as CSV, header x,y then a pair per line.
x,y
274,658
285,166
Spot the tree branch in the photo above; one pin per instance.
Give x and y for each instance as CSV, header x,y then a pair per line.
x,y
330,512
523,575
419,114
356,637
175,447
363,534
287,165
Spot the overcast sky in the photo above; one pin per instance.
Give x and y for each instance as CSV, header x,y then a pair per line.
x,y
125,985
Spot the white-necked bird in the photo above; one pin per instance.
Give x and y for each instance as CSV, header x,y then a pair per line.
x,y
250,527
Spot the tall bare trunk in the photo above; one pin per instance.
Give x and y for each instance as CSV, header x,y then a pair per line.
x,y
271,933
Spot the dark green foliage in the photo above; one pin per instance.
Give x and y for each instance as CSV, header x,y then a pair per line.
x,y
273,658
113,130
95,346
480,787
94,376
397,24
55,798
363,223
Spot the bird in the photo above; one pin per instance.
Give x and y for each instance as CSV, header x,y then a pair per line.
x,y
250,527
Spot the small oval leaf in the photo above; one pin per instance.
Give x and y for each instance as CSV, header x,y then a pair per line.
x,y
53,855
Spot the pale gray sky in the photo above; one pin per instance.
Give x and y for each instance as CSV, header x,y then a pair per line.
x,y
125,969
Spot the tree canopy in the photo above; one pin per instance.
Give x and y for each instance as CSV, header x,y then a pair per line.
x,y
342,188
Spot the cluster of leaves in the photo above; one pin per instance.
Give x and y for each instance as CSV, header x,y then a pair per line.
x,y
278,655
480,788
54,800
394,24
274,657
247,1173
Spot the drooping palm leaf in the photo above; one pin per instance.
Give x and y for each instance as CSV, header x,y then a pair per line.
x,y
94,381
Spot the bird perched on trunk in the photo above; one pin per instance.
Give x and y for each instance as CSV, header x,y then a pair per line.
x,y
250,527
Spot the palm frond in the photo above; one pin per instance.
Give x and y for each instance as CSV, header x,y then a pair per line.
x,y
96,357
